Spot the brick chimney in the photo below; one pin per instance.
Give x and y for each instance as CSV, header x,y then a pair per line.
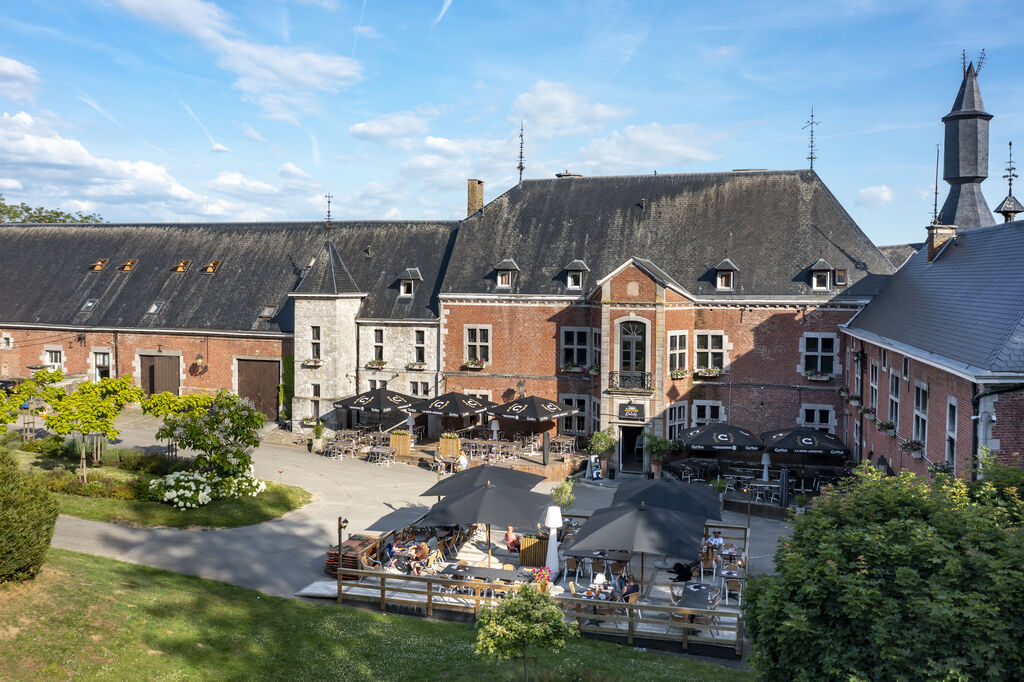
x,y
938,235
474,196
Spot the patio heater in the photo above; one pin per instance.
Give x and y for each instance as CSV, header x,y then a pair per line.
x,y
553,521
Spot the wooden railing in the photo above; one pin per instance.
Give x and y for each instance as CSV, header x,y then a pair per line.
x,y
432,592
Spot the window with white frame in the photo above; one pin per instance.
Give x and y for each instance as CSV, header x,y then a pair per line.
x,y
707,412
377,383
873,383
676,420
951,431
906,369
710,350
407,288
856,441
574,279
420,345
504,279
378,344
820,280
576,424
595,347
921,412
858,378
894,400
6,342
885,359
724,280
478,343
820,352
101,365
595,415
314,345
820,417
315,402
54,358
574,346
419,388
482,418
841,278
676,351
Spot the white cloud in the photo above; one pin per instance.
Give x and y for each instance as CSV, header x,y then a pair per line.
x,y
282,80
554,110
55,169
365,31
444,10
17,80
393,213
214,145
92,103
219,148
874,197
10,183
290,171
236,184
314,148
641,149
391,128
74,205
252,133
325,4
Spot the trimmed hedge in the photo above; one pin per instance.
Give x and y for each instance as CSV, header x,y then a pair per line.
x,y
28,513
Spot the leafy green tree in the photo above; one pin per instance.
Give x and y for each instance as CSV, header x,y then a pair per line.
x,y
23,213
224,434
90,409
11,404
562,494
528,618
163,404
1002,488
601,442
891,578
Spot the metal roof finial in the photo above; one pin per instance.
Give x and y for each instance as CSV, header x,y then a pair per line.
x,y
521,167
327,225
810,124
981,60
1010,175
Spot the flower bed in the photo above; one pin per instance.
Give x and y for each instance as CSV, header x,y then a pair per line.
x,y
192,489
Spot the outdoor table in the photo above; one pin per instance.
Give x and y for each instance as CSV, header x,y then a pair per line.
x,y
693,596
519,575
381,455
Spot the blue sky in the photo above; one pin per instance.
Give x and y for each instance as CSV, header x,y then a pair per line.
x,y
170,110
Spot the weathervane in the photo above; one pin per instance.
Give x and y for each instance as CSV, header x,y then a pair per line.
x,y
1010,175
810,124
935,199
327,225
521,167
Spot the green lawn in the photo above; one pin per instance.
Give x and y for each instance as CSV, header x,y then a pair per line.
x,y
95,618
276,500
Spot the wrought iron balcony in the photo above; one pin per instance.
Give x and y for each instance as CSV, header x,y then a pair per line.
x,y
630,380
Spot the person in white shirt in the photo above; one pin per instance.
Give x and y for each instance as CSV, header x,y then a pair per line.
x,y
715,541
463,461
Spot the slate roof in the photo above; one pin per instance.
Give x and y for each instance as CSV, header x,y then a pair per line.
x,y
328,275
778,222
966,306
898,254
727,264
1010,205
45,276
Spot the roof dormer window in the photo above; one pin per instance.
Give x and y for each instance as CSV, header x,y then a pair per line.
x,y
725,275
821,275
211,267
155,308
182,266
407,281
89,305
128,266
98,265
506,270
575,273
841,278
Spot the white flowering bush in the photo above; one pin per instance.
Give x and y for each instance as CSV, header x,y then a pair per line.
x,y
193,489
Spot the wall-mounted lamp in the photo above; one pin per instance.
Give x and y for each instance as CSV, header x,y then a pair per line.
x,y
200,360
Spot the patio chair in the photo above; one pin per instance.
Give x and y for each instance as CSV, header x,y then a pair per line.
x,y
368,563
733,585
596,566
708,563
573,565
709,621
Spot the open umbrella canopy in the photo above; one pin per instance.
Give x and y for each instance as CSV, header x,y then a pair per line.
x,y
532,409
721,436
803,441
689,498
481,475
639,528
451,404
378,400
488,504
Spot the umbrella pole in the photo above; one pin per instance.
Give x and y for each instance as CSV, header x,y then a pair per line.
x,y
488,545
641,572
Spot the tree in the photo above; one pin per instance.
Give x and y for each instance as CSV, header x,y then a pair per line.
x,y
527,618
28,513
23,213
562,494
89,409
892,578
224,433
12,404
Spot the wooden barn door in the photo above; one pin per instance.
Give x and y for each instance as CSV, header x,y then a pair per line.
x,y
159,373
258,381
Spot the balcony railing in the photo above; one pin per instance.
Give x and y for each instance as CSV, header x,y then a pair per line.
x,y
630,380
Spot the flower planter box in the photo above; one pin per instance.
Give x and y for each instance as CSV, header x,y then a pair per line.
x,y
678,375
533,551
573,370
821,377
450,447
375,365
917,454
474,368
415,366
401,444
705,375
313,364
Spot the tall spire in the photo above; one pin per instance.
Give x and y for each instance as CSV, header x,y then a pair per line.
x,y
966,157
1010,206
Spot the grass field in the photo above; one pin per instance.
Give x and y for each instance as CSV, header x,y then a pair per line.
x,y
276,500
95,618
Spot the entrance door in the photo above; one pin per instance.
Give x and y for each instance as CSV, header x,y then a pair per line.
x,y
631,450
159,373
258,381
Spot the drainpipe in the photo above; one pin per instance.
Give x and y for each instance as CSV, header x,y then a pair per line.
x,y
976,417
117,369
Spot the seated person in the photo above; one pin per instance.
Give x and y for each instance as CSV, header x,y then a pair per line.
x,y
463,461
511,540
630,588
431,541
715,541
419,558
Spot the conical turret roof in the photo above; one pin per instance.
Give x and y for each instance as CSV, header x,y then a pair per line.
x,y
328,275
968,99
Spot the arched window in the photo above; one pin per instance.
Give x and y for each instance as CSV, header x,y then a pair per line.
x,y
632,347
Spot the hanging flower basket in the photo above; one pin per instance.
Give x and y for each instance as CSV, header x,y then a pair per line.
x,y
854,400
869,411
815,375
886,427
376,364
843,393
595,368
912,446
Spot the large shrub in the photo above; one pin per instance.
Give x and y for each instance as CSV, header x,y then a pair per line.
x,y
223,430
28,513
193,489
891,578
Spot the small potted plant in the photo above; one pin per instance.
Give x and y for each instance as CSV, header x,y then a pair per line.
x,y
914,447
854,400
569,368
474,364
376,364
601,443
318,437
678,374
595,368
843,393
719,484
541,578
659,449
869,411
800,500
886,427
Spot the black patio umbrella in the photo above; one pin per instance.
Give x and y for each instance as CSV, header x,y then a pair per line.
x,y
688,498
451,405
378,401
641,528
482,475
803,441
720,436
532,409
488,504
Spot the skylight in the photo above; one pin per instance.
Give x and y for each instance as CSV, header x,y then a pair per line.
x,y
211,267
268,311
155,308
98,265
128,266
182,266
89,305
